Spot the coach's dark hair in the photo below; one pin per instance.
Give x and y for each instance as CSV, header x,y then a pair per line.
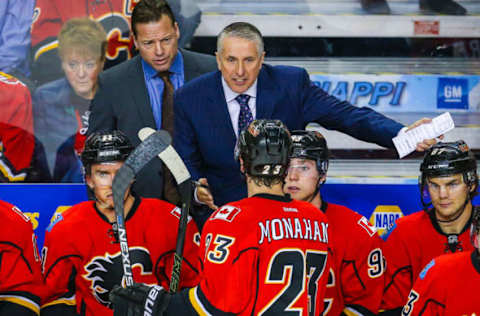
x,y
147,11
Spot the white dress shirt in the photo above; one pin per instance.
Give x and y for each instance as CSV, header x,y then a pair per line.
x,y
234,107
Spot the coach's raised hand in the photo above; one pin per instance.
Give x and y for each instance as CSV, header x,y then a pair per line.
x,y
426,143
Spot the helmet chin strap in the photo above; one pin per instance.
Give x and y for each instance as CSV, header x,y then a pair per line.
x,y
459,212
319,184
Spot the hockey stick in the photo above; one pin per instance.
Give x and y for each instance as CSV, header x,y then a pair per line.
x,y
146,151
180,172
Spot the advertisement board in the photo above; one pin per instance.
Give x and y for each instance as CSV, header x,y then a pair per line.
x,y
379,203
405,93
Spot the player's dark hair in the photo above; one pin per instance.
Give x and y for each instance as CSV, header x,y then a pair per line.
x,y
475,228
265,148
105,146
147,11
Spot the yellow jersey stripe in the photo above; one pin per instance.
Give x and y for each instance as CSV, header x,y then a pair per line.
x,y
22,301
64,300
197,305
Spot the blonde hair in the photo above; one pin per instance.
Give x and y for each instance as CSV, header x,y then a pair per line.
x,y
83,34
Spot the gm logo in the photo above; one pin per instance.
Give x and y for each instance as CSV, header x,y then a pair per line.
x,y
452,93
385,216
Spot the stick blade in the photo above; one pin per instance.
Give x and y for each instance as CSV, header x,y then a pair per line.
x,y
154,144
148,149
170,157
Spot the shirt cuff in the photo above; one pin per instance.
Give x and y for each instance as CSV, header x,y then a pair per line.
x,y
195,198
402,130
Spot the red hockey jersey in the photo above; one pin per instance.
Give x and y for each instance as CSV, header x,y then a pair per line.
x,y
16,129
447,286
20,276
263,255
82,259
412,242
356,281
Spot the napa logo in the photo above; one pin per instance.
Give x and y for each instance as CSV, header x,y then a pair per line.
x,y
452,93
384,216
57,217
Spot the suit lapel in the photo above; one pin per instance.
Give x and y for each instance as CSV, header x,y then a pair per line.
x,y
220,114
267,95
140,93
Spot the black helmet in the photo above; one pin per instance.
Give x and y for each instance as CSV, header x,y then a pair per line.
x,y
444,159
264,147
106,146
311,145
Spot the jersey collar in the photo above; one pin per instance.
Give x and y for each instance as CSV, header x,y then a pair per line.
x,y
433,219
280,198
476,260
135,205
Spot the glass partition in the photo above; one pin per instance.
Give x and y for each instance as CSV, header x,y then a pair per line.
x,y
407,59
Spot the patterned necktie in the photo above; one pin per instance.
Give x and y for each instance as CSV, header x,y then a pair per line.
x,y
245,117
170,193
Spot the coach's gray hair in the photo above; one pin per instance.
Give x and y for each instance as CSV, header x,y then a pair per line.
x,y
242,30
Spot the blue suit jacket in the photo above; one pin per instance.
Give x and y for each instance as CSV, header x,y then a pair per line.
x,y
205,139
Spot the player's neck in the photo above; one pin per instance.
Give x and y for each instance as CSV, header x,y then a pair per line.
x,y
317,201
456,226
253,188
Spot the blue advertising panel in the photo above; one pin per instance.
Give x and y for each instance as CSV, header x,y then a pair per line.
x,y
380,203
41,201
405,93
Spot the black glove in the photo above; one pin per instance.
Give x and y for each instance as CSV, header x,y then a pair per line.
x,y
139,300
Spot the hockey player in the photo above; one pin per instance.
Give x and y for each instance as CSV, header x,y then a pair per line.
x,y
266,254
20,275
356,279
448,184
449,284
82,259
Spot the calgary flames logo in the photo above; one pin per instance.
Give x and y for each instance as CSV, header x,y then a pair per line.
x,y
107,271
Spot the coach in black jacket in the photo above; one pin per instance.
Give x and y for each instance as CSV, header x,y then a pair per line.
x,y
129,96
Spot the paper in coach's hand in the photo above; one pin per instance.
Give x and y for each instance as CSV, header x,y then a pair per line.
x,y
406,142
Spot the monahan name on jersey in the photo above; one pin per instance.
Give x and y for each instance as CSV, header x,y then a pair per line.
x,y
293,228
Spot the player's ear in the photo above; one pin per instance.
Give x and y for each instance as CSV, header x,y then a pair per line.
x,y
323,178
89,182
177,30
242,168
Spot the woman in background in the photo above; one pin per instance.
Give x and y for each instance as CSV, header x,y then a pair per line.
x,y
61,106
